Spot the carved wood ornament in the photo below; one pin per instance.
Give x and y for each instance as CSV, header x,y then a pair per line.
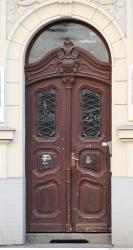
x,y
67,62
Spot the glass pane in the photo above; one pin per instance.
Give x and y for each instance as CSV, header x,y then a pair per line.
x,y
91,113
79,34
46,113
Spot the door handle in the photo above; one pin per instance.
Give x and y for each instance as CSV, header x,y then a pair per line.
x,y
74,160
108,144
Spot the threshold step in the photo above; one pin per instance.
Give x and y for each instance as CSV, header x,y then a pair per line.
x,y
83,238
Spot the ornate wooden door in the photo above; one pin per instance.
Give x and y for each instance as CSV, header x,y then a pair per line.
x,y
68,121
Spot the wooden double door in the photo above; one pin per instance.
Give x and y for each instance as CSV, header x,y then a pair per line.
x,y
67,155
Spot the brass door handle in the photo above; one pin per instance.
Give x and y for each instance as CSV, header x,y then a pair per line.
x,y
73,160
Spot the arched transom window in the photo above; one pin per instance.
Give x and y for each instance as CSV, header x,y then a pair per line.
x,y
54,35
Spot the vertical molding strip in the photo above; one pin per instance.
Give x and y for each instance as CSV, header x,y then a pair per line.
x,y
2,56
2,94
3,151
129,5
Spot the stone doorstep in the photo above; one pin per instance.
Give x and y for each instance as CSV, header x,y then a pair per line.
x,y
46,238
62,246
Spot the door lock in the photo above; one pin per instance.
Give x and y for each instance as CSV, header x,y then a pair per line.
x,y
74,160
108,144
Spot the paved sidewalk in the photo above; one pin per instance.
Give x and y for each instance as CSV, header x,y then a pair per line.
x,y
67,245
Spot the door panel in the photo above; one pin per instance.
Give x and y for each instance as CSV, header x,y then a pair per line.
x,y
89,198
45,158
68,120
91,185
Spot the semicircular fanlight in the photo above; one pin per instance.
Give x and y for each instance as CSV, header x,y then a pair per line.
x,y
81,36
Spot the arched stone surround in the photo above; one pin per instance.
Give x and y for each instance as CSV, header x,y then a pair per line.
x,y
18,41
54,10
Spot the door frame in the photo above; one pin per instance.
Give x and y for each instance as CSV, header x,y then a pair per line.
x,y
19,53
70,74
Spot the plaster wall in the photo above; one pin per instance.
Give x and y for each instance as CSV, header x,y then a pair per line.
x,y
12,211
14,44
122,229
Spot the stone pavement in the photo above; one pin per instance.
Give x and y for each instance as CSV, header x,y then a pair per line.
x,y
65,245
68,245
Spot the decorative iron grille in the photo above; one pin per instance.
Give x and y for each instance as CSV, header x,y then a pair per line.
x,y
46,113
91,113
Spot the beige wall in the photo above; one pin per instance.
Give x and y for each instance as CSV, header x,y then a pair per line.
x,y
2,32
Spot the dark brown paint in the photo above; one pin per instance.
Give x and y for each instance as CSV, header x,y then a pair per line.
x,y
69,197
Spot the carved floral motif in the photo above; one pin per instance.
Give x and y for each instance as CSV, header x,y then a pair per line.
x,y
17,8
25,3
106,1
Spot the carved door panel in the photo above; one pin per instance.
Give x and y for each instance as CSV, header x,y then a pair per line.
x,y
67,123
91,168
46,167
